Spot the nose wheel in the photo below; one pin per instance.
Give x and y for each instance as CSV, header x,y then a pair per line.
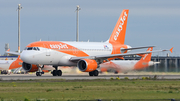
x,y
39,72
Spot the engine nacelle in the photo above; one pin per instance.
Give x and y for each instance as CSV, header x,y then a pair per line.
x,y
29,67
87,65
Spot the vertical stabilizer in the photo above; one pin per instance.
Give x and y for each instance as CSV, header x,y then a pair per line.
x,y
119,32
147,57
144,61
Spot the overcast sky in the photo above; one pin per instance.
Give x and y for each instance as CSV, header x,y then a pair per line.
x,y
150,22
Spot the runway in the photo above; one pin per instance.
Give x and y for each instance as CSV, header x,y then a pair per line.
x,y
83,76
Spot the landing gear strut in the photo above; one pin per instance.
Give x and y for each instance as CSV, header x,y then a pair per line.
x,y
94,73
56,72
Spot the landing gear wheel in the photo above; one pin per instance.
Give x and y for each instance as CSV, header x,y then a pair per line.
x,y
38,74
54,72
96,72
91,73
116,72
59,72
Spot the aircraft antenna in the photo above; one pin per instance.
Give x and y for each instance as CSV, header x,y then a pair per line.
x,y
19,8
77,22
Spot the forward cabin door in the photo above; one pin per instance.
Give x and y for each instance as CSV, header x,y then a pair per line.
x,y
47,50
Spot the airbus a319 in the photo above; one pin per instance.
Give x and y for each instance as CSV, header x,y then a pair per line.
x,y
87,56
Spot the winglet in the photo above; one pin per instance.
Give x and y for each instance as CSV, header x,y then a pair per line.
x,y
171,49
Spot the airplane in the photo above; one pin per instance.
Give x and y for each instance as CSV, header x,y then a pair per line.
x,y
14,64
10,64
129,65
87,56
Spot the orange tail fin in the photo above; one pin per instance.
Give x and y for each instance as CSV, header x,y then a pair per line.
x,y
147,57
143,62
118,34
16,64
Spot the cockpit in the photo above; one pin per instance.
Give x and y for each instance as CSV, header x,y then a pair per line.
x,y
32,48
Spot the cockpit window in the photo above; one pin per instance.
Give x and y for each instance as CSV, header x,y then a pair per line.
x,y
32,48
38,48
29,48
25,48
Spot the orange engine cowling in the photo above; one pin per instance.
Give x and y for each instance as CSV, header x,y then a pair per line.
x,y
29,67
87,65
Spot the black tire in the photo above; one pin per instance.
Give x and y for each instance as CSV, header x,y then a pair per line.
x,y
54,72
38,74
116,72
59,72
91,73
96,73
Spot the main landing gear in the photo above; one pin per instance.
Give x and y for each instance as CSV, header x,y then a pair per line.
x,y
94,73
56,72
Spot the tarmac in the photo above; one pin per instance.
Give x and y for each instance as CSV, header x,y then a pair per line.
x,y
85,76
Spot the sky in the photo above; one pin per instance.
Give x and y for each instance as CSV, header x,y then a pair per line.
x,y
150,22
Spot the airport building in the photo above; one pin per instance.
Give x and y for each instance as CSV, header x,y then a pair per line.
x,y
167,63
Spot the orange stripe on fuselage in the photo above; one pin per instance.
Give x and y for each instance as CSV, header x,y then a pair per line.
x,y
59,46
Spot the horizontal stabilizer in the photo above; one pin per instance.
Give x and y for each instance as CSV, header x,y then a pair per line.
x,y
171,50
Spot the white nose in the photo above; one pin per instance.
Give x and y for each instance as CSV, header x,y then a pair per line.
x,y
27,57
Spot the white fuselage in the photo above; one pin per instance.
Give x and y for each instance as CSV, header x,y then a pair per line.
x,y
123,65
60,53
5,64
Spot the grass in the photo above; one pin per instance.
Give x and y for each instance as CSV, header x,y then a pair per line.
x,y
55,90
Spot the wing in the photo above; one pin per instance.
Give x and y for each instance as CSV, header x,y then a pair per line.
x,y
136,48
14,53
113,55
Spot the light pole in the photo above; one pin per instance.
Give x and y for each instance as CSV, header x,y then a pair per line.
x,y
77,22
19,8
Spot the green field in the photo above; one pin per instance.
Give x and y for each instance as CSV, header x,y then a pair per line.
x,y
55,90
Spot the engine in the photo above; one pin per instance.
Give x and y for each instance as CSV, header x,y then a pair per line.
x,y
87,65
29,67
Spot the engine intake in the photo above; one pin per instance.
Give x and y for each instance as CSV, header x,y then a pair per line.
x,y
29,67
87,65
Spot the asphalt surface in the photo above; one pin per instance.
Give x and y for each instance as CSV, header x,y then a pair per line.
x,y
84,76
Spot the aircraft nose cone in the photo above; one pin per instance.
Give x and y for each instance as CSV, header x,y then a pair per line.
x,y
26,57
